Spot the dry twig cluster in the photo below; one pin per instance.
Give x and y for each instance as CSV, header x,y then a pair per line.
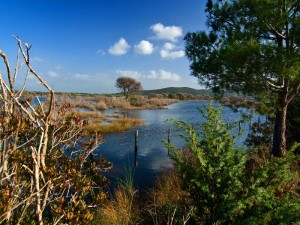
x,y
46,168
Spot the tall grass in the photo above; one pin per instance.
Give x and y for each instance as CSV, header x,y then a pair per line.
x,y
168,203
102,102
117,125
122,208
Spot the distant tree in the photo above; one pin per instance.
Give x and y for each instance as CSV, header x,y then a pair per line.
x,y
251,47
172,96
181,96
128,85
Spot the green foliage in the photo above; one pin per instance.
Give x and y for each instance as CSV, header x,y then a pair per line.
x,y
251,48
229,185
272,187
293,123
211,169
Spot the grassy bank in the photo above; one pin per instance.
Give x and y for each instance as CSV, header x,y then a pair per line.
x,y
106,124
91,107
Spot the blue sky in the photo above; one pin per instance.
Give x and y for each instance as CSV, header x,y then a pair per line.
x,y
85,45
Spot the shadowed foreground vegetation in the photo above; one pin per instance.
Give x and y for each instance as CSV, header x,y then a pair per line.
x,y
213,182
47,171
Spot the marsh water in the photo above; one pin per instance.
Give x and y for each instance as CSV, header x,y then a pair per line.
x,y
151,156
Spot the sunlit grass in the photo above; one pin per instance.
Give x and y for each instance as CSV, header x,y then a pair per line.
x,y
106,124
122,208
117,125
167,202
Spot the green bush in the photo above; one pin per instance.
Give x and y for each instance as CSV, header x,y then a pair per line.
x,y
211,169
229,185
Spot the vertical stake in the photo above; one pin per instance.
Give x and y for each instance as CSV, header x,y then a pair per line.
x,y
136,148
169,136
169,139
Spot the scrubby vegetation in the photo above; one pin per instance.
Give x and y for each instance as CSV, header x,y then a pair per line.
x,y
214,182
228,185
48,171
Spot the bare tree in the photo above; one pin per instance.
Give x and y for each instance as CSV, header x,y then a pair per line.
x,y
128,85
44,164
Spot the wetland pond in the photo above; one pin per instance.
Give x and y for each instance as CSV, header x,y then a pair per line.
x,y
151,155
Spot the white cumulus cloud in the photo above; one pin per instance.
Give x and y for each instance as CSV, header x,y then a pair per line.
x,y
100,52
129,73
168,51
52,73
36,59
79,76
170,33
144,48
169,46
152,75
163,75
119,48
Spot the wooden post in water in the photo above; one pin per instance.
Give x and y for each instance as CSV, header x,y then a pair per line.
x,y
136,148
169,136
239,126
169,139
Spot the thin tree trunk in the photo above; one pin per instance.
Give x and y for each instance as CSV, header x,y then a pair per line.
x,y
279,134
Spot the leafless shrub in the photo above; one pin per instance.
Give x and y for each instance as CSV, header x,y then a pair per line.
x,y
44,162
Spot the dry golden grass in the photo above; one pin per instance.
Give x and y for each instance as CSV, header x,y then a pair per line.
x,y
98,122
106,124
168,202
122,208
91,116
117,125
119,210
167,189
101,102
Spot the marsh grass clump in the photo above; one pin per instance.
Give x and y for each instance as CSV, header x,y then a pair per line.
x,y
167,202
122,208
117,125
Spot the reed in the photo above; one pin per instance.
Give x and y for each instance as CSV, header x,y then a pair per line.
x,y
167,202
117,125
92,117
122,208
102,102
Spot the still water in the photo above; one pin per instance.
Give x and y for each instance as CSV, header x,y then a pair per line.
x,y
152,156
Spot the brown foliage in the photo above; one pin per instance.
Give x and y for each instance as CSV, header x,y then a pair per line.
x,y
47,169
